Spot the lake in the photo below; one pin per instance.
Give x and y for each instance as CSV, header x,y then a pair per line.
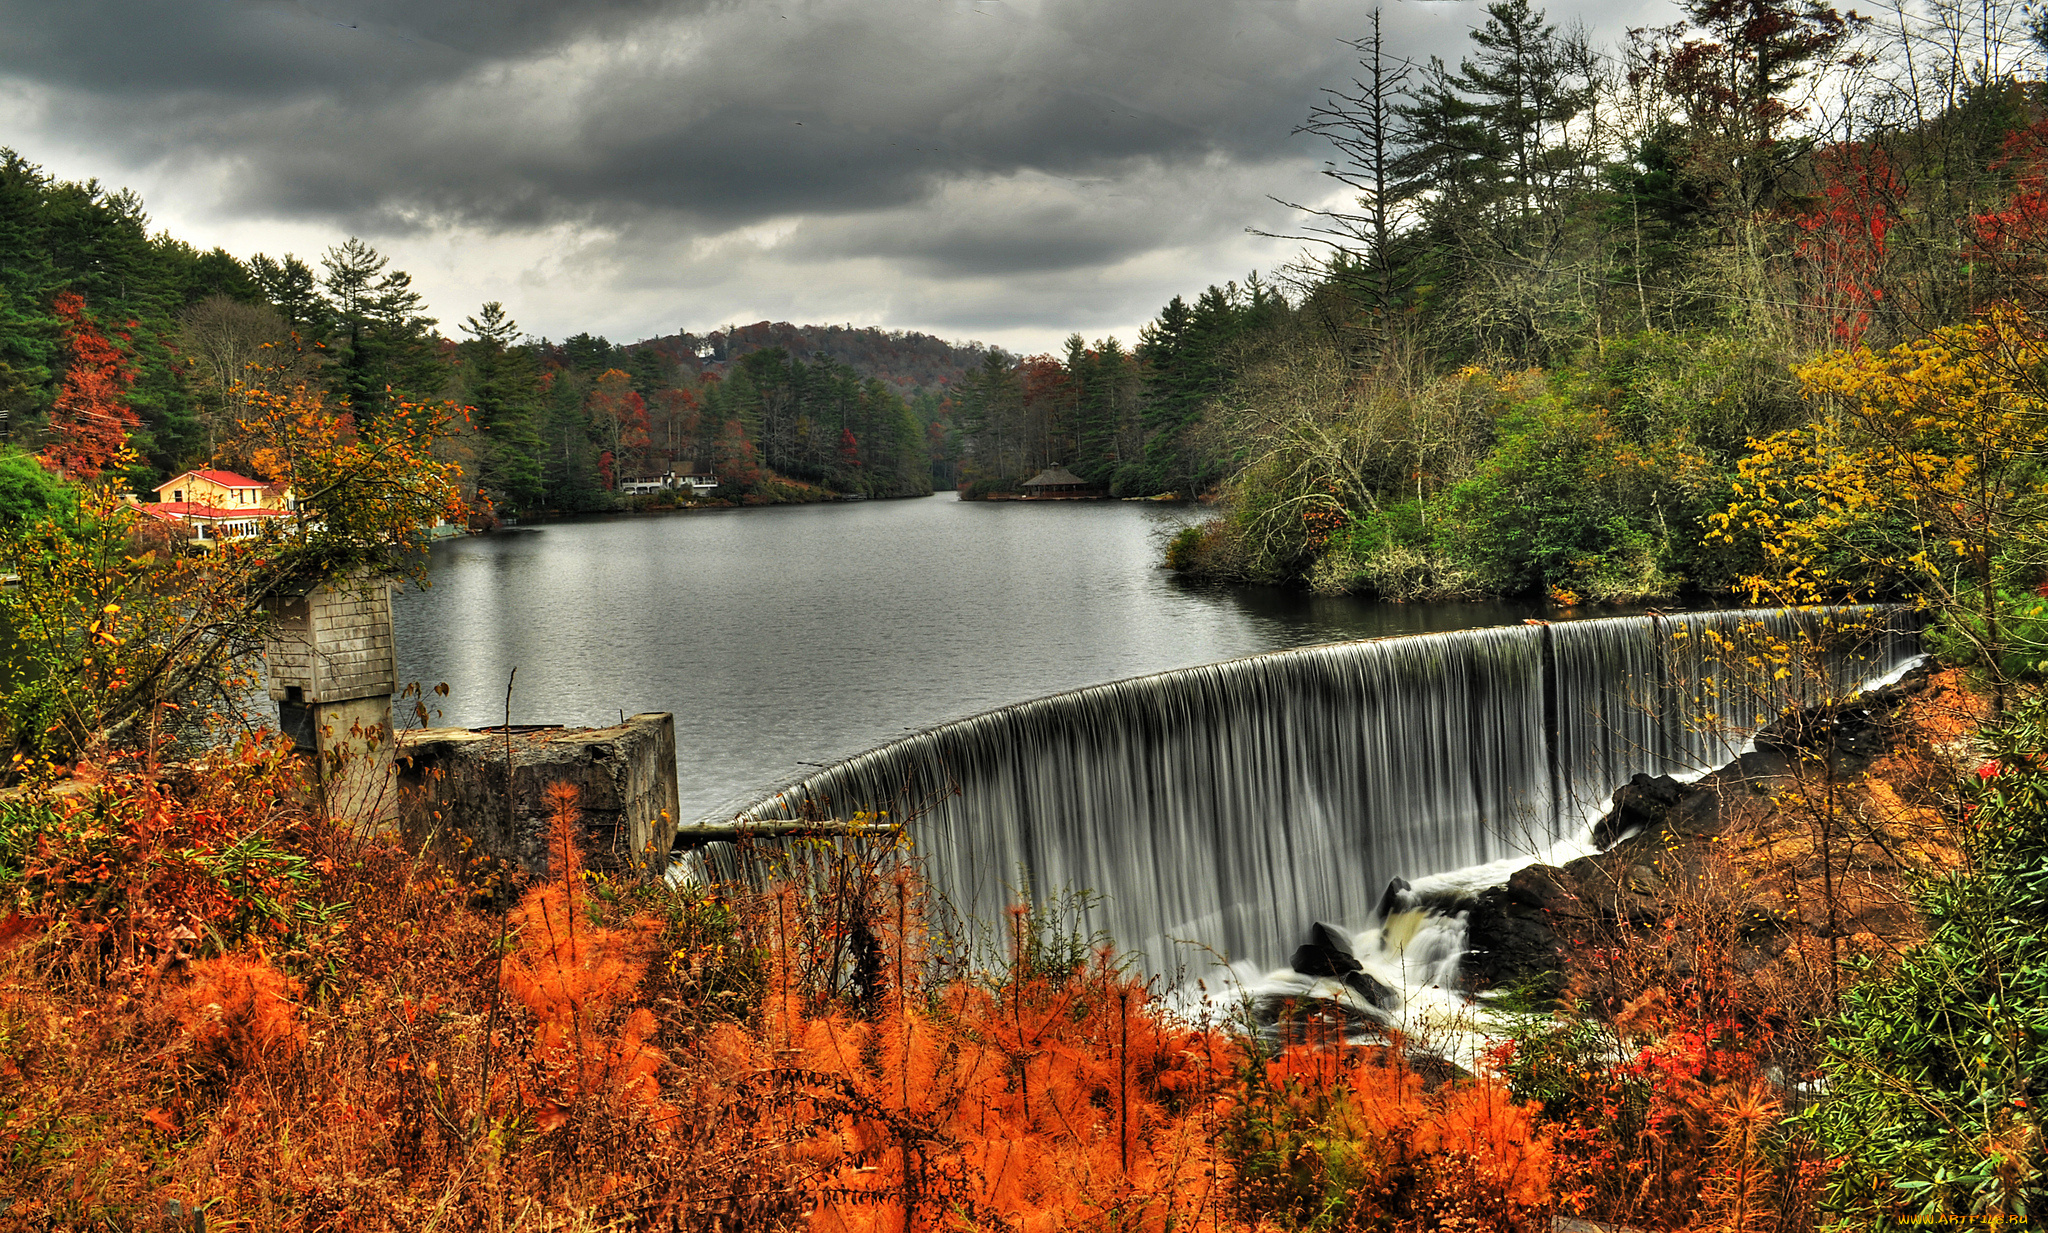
x,y
788,637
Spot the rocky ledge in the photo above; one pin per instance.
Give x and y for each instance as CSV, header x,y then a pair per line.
x,y
1790,853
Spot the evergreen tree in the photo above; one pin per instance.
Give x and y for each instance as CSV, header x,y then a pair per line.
x,y
503,387
1371,133
570,476
589,354
294,290
383,351
29,333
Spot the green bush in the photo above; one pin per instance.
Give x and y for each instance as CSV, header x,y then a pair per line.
x,y
1936,1069
1182,549
1564,502
1391,553
2022,634
28,492
23,822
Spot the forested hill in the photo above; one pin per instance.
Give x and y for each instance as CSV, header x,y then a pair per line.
x,y
905,361
113,333
1758,300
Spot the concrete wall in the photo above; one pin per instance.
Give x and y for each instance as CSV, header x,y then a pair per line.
x,y
454,779
354,748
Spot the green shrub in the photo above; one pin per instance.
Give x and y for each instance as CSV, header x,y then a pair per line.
x,y
1936,1069
2022,634
1183,548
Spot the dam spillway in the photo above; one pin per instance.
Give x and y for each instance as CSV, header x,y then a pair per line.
x,y
1215,811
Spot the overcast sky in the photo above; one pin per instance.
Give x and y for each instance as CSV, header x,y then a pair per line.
x,y
1005,170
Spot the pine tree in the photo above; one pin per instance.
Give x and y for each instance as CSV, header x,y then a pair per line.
x,y
503,388
1371,133
292,288
385,353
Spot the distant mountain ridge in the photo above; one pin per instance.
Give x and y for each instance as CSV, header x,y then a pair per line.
x,y
907,361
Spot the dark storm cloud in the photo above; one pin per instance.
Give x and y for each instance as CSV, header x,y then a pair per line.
x,y
1009,169
388,116
268,48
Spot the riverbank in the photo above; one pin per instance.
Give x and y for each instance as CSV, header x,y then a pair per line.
x,y
775,492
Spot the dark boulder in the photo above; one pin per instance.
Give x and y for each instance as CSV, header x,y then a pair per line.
x,y
1374,993
1515,934
1395,899
1641,803
1327,954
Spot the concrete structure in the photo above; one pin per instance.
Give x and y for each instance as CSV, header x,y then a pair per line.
x,y
625,776
332,673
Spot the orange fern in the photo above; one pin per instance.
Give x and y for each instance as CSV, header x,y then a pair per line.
x,y
577,981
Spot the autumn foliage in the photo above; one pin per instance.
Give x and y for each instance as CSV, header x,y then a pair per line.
x,y
1336,1136
1048,1102
577,981
238,1015
211,996
91,419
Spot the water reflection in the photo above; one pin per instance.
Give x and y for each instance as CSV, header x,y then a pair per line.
x,y
789,636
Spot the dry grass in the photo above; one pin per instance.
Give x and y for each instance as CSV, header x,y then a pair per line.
x,y
210,998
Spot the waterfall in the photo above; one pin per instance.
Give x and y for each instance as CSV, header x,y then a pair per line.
x,y
1216,811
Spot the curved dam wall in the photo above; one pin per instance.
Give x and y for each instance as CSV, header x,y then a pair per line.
x,y
1217,811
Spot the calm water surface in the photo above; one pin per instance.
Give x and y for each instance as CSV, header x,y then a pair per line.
x,y
791,636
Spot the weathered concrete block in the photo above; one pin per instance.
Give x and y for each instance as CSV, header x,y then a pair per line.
x,y
455,778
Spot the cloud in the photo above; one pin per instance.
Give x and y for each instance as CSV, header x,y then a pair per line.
x,y
930,145
384,116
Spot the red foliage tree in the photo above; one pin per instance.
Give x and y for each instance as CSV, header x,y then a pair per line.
x,y
2011,239
675,420
618,415
1842,237
91,421
734,459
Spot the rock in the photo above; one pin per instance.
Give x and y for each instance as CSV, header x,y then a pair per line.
x,y
1375,993
1394,898
1516,933
1508,944
1640,803
1544,887
1324,954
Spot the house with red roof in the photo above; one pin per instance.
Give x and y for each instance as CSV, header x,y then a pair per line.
x,y
219,505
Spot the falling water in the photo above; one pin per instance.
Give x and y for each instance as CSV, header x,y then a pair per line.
x,y
1226,807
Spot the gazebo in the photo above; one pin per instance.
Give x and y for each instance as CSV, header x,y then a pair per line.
x,y
1054,482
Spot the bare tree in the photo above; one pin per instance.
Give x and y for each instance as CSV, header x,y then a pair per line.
x,y
1364,122
234,346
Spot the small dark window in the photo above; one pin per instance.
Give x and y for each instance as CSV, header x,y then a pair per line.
x,y
294,693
